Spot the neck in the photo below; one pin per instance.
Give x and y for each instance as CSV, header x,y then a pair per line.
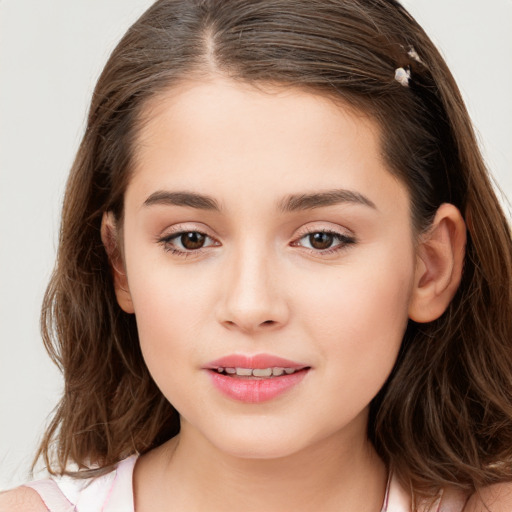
x,y
189,473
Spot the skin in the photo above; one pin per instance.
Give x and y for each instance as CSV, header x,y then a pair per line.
x,y
258,285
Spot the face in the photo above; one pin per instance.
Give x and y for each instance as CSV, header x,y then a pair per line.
x,y
270,260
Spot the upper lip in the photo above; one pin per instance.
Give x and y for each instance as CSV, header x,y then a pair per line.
x,y
256,361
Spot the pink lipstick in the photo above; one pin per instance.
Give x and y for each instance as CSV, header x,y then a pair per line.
x,y
257,378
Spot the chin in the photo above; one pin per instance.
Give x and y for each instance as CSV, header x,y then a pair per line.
x,y
258,441
259,449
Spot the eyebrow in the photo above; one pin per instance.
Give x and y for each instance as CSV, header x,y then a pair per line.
x,y
291,203
298,202
190,199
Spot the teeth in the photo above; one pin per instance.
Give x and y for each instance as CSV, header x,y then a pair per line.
x,y
257,372
266,372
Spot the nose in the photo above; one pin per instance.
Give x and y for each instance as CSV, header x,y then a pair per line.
x,y
254,295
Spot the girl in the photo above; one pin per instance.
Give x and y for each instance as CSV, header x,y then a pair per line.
x,y
284,279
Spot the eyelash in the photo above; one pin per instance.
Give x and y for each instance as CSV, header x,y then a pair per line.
x,y
343,242
167,241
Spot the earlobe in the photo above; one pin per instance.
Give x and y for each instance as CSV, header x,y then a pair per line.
x,y
110,239
439,264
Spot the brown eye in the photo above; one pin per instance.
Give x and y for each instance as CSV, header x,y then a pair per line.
x,y
192,240
187,243
324,242
321,240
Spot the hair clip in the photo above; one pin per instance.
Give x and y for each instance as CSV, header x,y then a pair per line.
x,y
402,76
414,55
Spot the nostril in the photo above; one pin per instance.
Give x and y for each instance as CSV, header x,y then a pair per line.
x,y
250,326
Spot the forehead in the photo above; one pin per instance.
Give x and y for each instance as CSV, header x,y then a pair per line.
x,y
209,133
211,109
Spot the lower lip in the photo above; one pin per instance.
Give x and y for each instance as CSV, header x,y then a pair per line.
x,y
255,390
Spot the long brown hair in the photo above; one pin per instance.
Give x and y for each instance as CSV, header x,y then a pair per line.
x,y
444,416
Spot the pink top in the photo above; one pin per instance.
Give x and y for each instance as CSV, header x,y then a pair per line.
x,y
113,492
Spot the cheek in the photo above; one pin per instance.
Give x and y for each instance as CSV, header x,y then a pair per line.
x,y
168,328
359,316
171,305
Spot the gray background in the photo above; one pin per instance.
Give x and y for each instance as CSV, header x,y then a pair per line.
x,y
51,53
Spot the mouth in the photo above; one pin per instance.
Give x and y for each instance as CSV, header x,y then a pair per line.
x,y
257,373
255,379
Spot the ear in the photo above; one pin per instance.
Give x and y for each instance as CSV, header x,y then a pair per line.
x,y
439,263
110,239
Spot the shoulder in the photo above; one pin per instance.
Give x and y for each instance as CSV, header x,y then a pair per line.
x,y
494,498
21,499
113,489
